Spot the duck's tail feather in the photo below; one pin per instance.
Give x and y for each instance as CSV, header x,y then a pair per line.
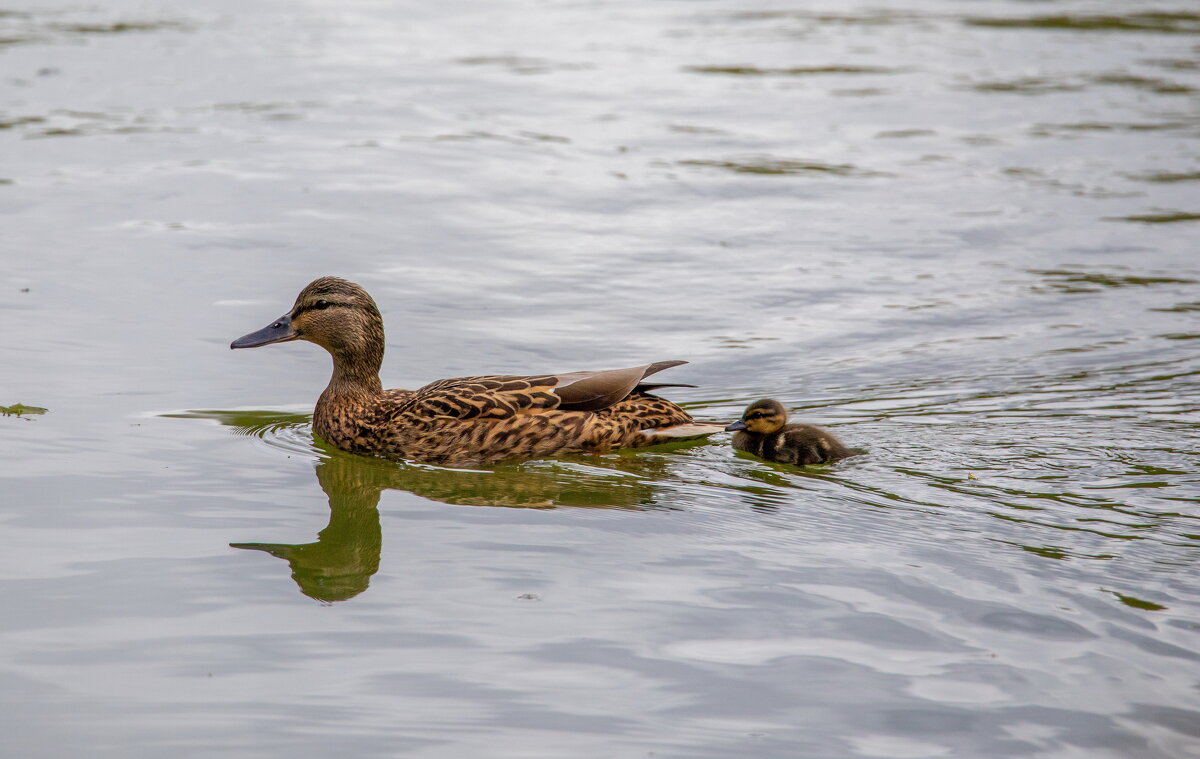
x,y
592,391
646,387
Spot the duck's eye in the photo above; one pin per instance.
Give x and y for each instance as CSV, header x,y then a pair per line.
x,y
321,304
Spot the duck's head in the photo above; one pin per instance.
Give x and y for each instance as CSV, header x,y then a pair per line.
x,y
335,314
763,417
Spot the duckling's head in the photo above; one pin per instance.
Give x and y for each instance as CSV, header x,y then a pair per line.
x,y
763,417
335,314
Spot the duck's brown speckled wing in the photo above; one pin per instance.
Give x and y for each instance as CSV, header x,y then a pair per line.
x,y
507,396
490,397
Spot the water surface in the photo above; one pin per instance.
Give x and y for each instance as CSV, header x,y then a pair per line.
x,y
960,235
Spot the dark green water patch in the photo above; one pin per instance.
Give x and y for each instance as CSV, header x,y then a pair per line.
x,y
771,166
1166,217
120,27
1180,336
1058,553
521,64
1027,85
24,39
19,121
1167,177
725,341
691,129
61,132
1181,307
859,92
1075,281
1063,527
1175,64
1049,552
1147,83
1053,130
895,134
791,71
1038,178
1148,21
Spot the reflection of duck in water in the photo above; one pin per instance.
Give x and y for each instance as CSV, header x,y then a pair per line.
x,y
340,564
763,431
465,420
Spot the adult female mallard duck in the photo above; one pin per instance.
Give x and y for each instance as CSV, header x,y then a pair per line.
x,y
465,420
763,430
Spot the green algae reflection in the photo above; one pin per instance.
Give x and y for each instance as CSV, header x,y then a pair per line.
x,y
20,409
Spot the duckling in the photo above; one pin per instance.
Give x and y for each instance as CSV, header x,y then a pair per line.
x,y
763,430
466,420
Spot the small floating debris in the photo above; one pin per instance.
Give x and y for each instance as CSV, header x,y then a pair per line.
x,y
1136,603
20,409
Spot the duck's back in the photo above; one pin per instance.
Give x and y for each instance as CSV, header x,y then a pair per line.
x,y
467,420
538,435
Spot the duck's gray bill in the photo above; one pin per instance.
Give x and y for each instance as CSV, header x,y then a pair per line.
x,y
276,332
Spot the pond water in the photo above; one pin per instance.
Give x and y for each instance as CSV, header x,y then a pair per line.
x,y
962,235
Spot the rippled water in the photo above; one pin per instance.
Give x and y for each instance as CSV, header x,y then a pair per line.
x,y
961,235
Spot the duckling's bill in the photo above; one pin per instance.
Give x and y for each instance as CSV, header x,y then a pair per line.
x,y
738,425
278,331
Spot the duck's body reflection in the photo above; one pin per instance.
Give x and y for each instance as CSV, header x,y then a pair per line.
x,y
340,564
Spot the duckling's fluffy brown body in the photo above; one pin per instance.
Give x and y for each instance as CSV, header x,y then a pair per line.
x,y
465,420
763,431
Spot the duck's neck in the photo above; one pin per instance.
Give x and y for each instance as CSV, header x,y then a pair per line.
x,y
356,373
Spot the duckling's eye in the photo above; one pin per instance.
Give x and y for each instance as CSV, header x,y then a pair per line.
x,y
321,304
